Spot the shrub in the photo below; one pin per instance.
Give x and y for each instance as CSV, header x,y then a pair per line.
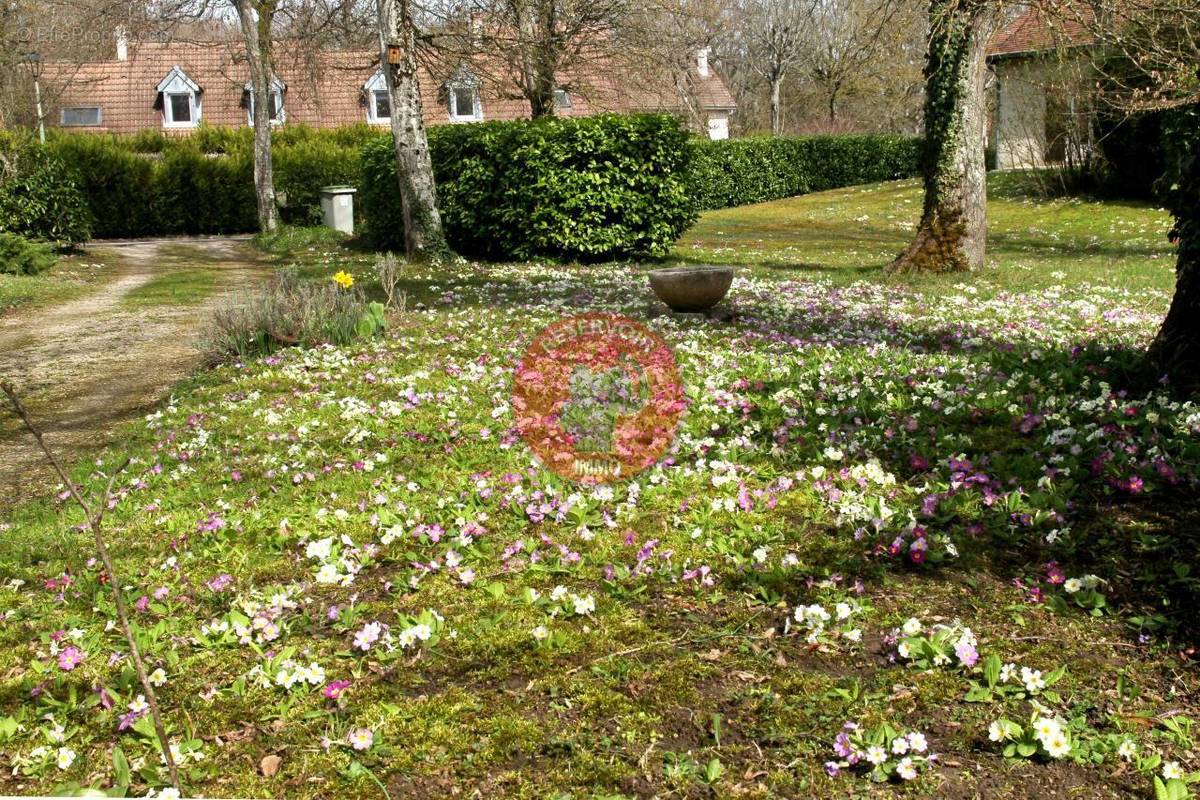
x,y
119,182
583,188
291,312
19,256
736,172
40,196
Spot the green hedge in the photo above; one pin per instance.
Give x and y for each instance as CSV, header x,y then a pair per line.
x,y
41,194
737,172
584,188
151,184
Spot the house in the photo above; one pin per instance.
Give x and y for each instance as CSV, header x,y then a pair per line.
x,y
175,87
1043,89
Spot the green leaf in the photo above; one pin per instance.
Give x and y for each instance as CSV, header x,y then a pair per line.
x,y
978,694
121,776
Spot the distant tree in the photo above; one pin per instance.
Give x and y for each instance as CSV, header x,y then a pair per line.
x,y
771,39
539,40
952,233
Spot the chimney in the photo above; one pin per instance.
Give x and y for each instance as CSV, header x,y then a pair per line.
x,y
122,45
702,61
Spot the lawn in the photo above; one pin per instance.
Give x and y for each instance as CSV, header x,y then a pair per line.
x,y
930,510
74,275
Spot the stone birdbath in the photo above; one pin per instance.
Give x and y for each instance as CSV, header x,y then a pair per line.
x,y
691,290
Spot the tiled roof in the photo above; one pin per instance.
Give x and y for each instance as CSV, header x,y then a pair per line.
x,y
329,93
1038,30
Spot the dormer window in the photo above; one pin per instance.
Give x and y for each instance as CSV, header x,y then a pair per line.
x,y
462,95
379,104
278,113
179,99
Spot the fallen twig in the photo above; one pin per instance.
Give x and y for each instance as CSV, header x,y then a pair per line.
x,y
95,522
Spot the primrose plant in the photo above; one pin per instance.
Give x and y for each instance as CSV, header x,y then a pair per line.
x,y
882,753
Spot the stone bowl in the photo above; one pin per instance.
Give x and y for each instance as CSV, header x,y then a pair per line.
x,y
691,289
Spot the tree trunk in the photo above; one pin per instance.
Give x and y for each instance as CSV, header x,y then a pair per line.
x,y
952,235
1176,349
414,169
776,115
540,48
255,20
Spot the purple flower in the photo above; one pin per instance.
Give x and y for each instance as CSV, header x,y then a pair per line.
x,y
966,652
70,658
220,583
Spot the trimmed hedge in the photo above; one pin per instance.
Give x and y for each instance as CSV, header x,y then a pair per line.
x,y
41,195
736,172
151,184
20,256
585,188
578,188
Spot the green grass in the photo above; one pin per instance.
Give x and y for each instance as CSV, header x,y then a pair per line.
x,y
390,447
73,276
853,233
179,287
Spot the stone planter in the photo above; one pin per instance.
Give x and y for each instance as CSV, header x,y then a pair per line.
x,y
691,290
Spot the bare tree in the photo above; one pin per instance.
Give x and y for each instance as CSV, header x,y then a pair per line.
x,y
256,19
540,40
859,41
952,234
772,39
414,168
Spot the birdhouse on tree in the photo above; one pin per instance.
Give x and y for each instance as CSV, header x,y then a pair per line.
x,y
393,54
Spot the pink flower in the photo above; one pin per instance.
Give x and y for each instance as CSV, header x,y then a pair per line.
x,y
70,658
335,689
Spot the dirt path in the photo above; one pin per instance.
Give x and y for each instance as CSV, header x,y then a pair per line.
x,y
86,365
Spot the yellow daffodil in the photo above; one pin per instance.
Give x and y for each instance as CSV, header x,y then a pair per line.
x,y
343,279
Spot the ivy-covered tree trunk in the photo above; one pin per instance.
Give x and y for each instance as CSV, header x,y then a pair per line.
x,y
1176,349
414,168
255,19
952,235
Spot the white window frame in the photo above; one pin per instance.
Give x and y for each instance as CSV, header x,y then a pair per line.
x,y
476,102
278,90
62,115
566,104
178,84
373,88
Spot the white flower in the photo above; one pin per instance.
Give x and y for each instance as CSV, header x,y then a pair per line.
x,y
65,757
585,605
314,674
320,549
906,769
1046,728
1057,746
558,593
328,573
917,742
760,555
139,705
158,677
1073,585
361,738
1127,750
1171,771
902,649
911,626
854,635
844,610
422,632
541,632
1032,678
57,734
876,755
996,732
899,745
1007,672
